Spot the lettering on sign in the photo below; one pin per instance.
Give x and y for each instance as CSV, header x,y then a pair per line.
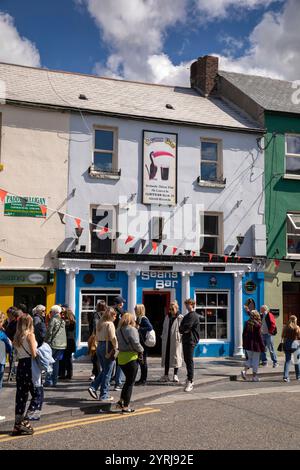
x,y
163,280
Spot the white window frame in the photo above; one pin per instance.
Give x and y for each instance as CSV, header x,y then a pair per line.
x,y
228,307
114,152
219,162
287,155
290,217
94,292
114,223
220,230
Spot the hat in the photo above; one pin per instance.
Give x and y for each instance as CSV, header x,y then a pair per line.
x,y
119,300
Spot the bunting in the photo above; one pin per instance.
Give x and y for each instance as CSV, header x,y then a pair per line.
x,y
61,216
43,210
78,222
154,245
2,194
277,262
129,239
210,257
174,250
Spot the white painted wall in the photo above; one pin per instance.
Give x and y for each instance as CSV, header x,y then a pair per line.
x,y
243,168
34,152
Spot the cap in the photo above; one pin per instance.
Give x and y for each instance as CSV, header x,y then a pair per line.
x,y
119,300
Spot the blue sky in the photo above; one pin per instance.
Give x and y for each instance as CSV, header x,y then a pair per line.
x,y
151,42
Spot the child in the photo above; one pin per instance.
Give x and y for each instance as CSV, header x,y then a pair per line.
x,y
5,348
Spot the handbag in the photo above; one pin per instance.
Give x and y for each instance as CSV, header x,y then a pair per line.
x,y
291,346
280,347
150,339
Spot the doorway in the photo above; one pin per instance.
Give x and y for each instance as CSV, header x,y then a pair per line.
x,y
157,304
291,301
30,296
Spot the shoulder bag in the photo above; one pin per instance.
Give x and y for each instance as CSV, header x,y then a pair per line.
x,y
112,354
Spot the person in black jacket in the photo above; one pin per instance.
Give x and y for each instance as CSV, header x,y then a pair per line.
x,y
39,324
190,330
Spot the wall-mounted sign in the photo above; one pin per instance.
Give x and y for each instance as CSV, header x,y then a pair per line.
x,y
26,277
163,280
213,281
16,206
250,287
275,311
159,168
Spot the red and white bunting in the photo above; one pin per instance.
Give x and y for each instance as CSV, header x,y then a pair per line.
x,y
2,194
129,239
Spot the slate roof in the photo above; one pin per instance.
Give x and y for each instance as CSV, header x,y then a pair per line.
x,y
119,97
269,93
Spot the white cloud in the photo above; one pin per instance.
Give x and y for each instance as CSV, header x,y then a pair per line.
x,y
14,48
219,9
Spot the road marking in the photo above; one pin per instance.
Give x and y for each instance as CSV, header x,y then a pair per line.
x,y
78,422
233,396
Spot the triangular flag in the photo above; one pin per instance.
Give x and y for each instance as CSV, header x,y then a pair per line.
x,y
61,216
103,230
193,253
143,243
164,248
225,258
44,210
210,255
239,259
187,252
117,234
174,250
293,264
2,194
78,222
129,239
154,246
277,262
24,201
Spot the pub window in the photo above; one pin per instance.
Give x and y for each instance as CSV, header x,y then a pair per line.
x,y
102,216
211,234
293,234
213,309
292,155
211,160
105,150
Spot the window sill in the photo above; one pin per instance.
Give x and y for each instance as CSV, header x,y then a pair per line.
x,y
101,174
292,256
291,177
220,184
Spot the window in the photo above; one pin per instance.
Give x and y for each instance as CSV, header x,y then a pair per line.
x,y
156,228
102,216
293,234
211,236
89,300
211,160
212,308
105,150
292,155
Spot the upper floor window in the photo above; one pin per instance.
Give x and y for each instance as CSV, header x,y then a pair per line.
x,y
293,234
211,160
105,150
292,154
211,237
102,217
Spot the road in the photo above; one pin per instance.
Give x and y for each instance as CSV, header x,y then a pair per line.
x,y
231,415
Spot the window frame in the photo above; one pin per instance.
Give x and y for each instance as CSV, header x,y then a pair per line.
x,y
289,216
228,307
105,207
220,230
218,163
114,152
293,155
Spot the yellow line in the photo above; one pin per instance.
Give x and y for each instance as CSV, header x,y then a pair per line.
x,y
72,424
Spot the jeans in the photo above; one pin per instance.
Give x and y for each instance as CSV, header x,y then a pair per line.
x,y
103,379
66,365
130,370
288,357
2,367
268,342
51,378
119,376
253,360
188,355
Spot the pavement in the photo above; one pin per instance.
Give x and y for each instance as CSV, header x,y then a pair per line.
x,y
71,398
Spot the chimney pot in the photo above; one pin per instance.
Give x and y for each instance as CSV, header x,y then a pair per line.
x,y
204,72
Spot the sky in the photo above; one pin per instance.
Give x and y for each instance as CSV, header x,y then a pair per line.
x,y
152,40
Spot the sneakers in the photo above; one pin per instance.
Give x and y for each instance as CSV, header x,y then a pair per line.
x,y
164,378
264,364
107,399
92,377
33,415
23,428
128,410
93,393
117,388
140,382
286,379
243,374
175,378
255,379
189,386
275,364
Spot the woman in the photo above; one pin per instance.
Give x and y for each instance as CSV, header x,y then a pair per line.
x,y
171,342
290,337
107,343
26,347
253,344
143,325
66,365
93,318
57,340
129,350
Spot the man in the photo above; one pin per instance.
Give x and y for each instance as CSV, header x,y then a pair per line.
x,y
39,324
268,330
190,330
57,339
118,306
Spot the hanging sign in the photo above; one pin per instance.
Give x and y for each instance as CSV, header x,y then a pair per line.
x,y
17,206
26,277
160,168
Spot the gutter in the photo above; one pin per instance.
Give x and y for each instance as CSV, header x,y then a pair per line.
x,y
247,130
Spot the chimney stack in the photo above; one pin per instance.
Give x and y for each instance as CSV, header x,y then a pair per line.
x,y
204,73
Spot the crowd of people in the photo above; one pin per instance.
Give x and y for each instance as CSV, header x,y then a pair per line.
x,y
118,345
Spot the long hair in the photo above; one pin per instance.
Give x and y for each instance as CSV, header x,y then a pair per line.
x,y
254,319
140,310
107,315
24,328
127,320
292,323
69,315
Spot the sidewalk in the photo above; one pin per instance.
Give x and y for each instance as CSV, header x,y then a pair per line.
x,y
71,398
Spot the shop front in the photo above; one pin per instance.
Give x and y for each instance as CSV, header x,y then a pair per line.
x,y
27,287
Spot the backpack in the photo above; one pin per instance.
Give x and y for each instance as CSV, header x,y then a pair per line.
x,y
150,339
271,323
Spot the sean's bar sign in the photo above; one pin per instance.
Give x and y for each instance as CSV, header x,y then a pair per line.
x,y
163,280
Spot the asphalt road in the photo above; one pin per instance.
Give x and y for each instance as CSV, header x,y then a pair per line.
x,y
233,415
